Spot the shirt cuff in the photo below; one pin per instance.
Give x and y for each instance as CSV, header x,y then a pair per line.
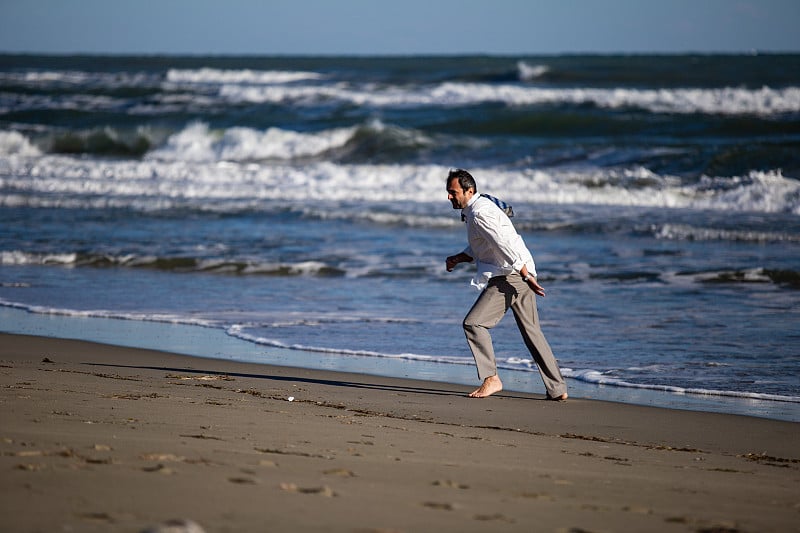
x,y
531,268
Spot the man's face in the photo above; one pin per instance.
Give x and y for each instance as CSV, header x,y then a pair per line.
x,y
458,196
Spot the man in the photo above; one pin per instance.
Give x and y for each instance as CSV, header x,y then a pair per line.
x,y
507,277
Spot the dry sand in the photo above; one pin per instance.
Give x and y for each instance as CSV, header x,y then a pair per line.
x,y
103,438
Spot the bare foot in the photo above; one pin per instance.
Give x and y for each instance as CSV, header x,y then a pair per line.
x,y
558,398
491,385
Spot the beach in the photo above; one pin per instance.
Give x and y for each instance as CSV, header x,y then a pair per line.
x,y
97,437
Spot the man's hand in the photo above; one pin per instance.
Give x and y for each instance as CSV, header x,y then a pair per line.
x,y
453,260
533,284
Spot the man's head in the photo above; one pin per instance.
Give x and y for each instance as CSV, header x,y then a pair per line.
x,y
461,188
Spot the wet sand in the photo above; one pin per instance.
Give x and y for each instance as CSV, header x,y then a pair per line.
x,y
103,438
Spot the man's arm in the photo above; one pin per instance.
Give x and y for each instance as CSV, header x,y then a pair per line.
x,y
453,260
531,281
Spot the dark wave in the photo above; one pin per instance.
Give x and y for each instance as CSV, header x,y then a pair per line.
x,y
587,120
216,266
676,145
175,264
104,142
693,70
643,70
785,278
541,139
782,278
382,144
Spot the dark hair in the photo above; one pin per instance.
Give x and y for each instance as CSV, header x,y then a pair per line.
x,y
465,179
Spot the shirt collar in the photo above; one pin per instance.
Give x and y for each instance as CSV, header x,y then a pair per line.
x,y
466,210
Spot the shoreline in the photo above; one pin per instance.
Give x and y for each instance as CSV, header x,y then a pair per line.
x,y
214,343
107,438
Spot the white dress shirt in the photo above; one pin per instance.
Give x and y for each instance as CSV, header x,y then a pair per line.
x,y
494,244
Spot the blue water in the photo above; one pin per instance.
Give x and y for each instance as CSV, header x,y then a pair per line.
x,y
297,205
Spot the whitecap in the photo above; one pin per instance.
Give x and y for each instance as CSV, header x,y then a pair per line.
x,y
15,143
198,143
528,72
722,101
243,76
18,257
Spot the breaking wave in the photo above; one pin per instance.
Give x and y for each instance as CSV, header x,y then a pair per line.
x,y
14,143
202,169
726,101
209,87
198,143
531,72
246,76
170,264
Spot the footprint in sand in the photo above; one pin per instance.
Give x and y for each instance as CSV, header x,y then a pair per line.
x,y
449,484
97,517
497,517
161,469
243,480
341,472
176,526
325,490
440,506
162,457
31,467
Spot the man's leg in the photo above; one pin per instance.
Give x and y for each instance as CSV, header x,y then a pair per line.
x,y
487,311
527,317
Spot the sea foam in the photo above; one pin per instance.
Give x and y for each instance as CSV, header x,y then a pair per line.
x,y
210,87
245,76
14,143
194,171
198,143
724,101
600,378
531,72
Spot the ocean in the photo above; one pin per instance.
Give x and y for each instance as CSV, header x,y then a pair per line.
x,y
298,205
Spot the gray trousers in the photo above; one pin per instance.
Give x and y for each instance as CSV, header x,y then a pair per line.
x,y
501,293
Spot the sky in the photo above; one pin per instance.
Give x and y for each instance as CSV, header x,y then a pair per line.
x,y
398,27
